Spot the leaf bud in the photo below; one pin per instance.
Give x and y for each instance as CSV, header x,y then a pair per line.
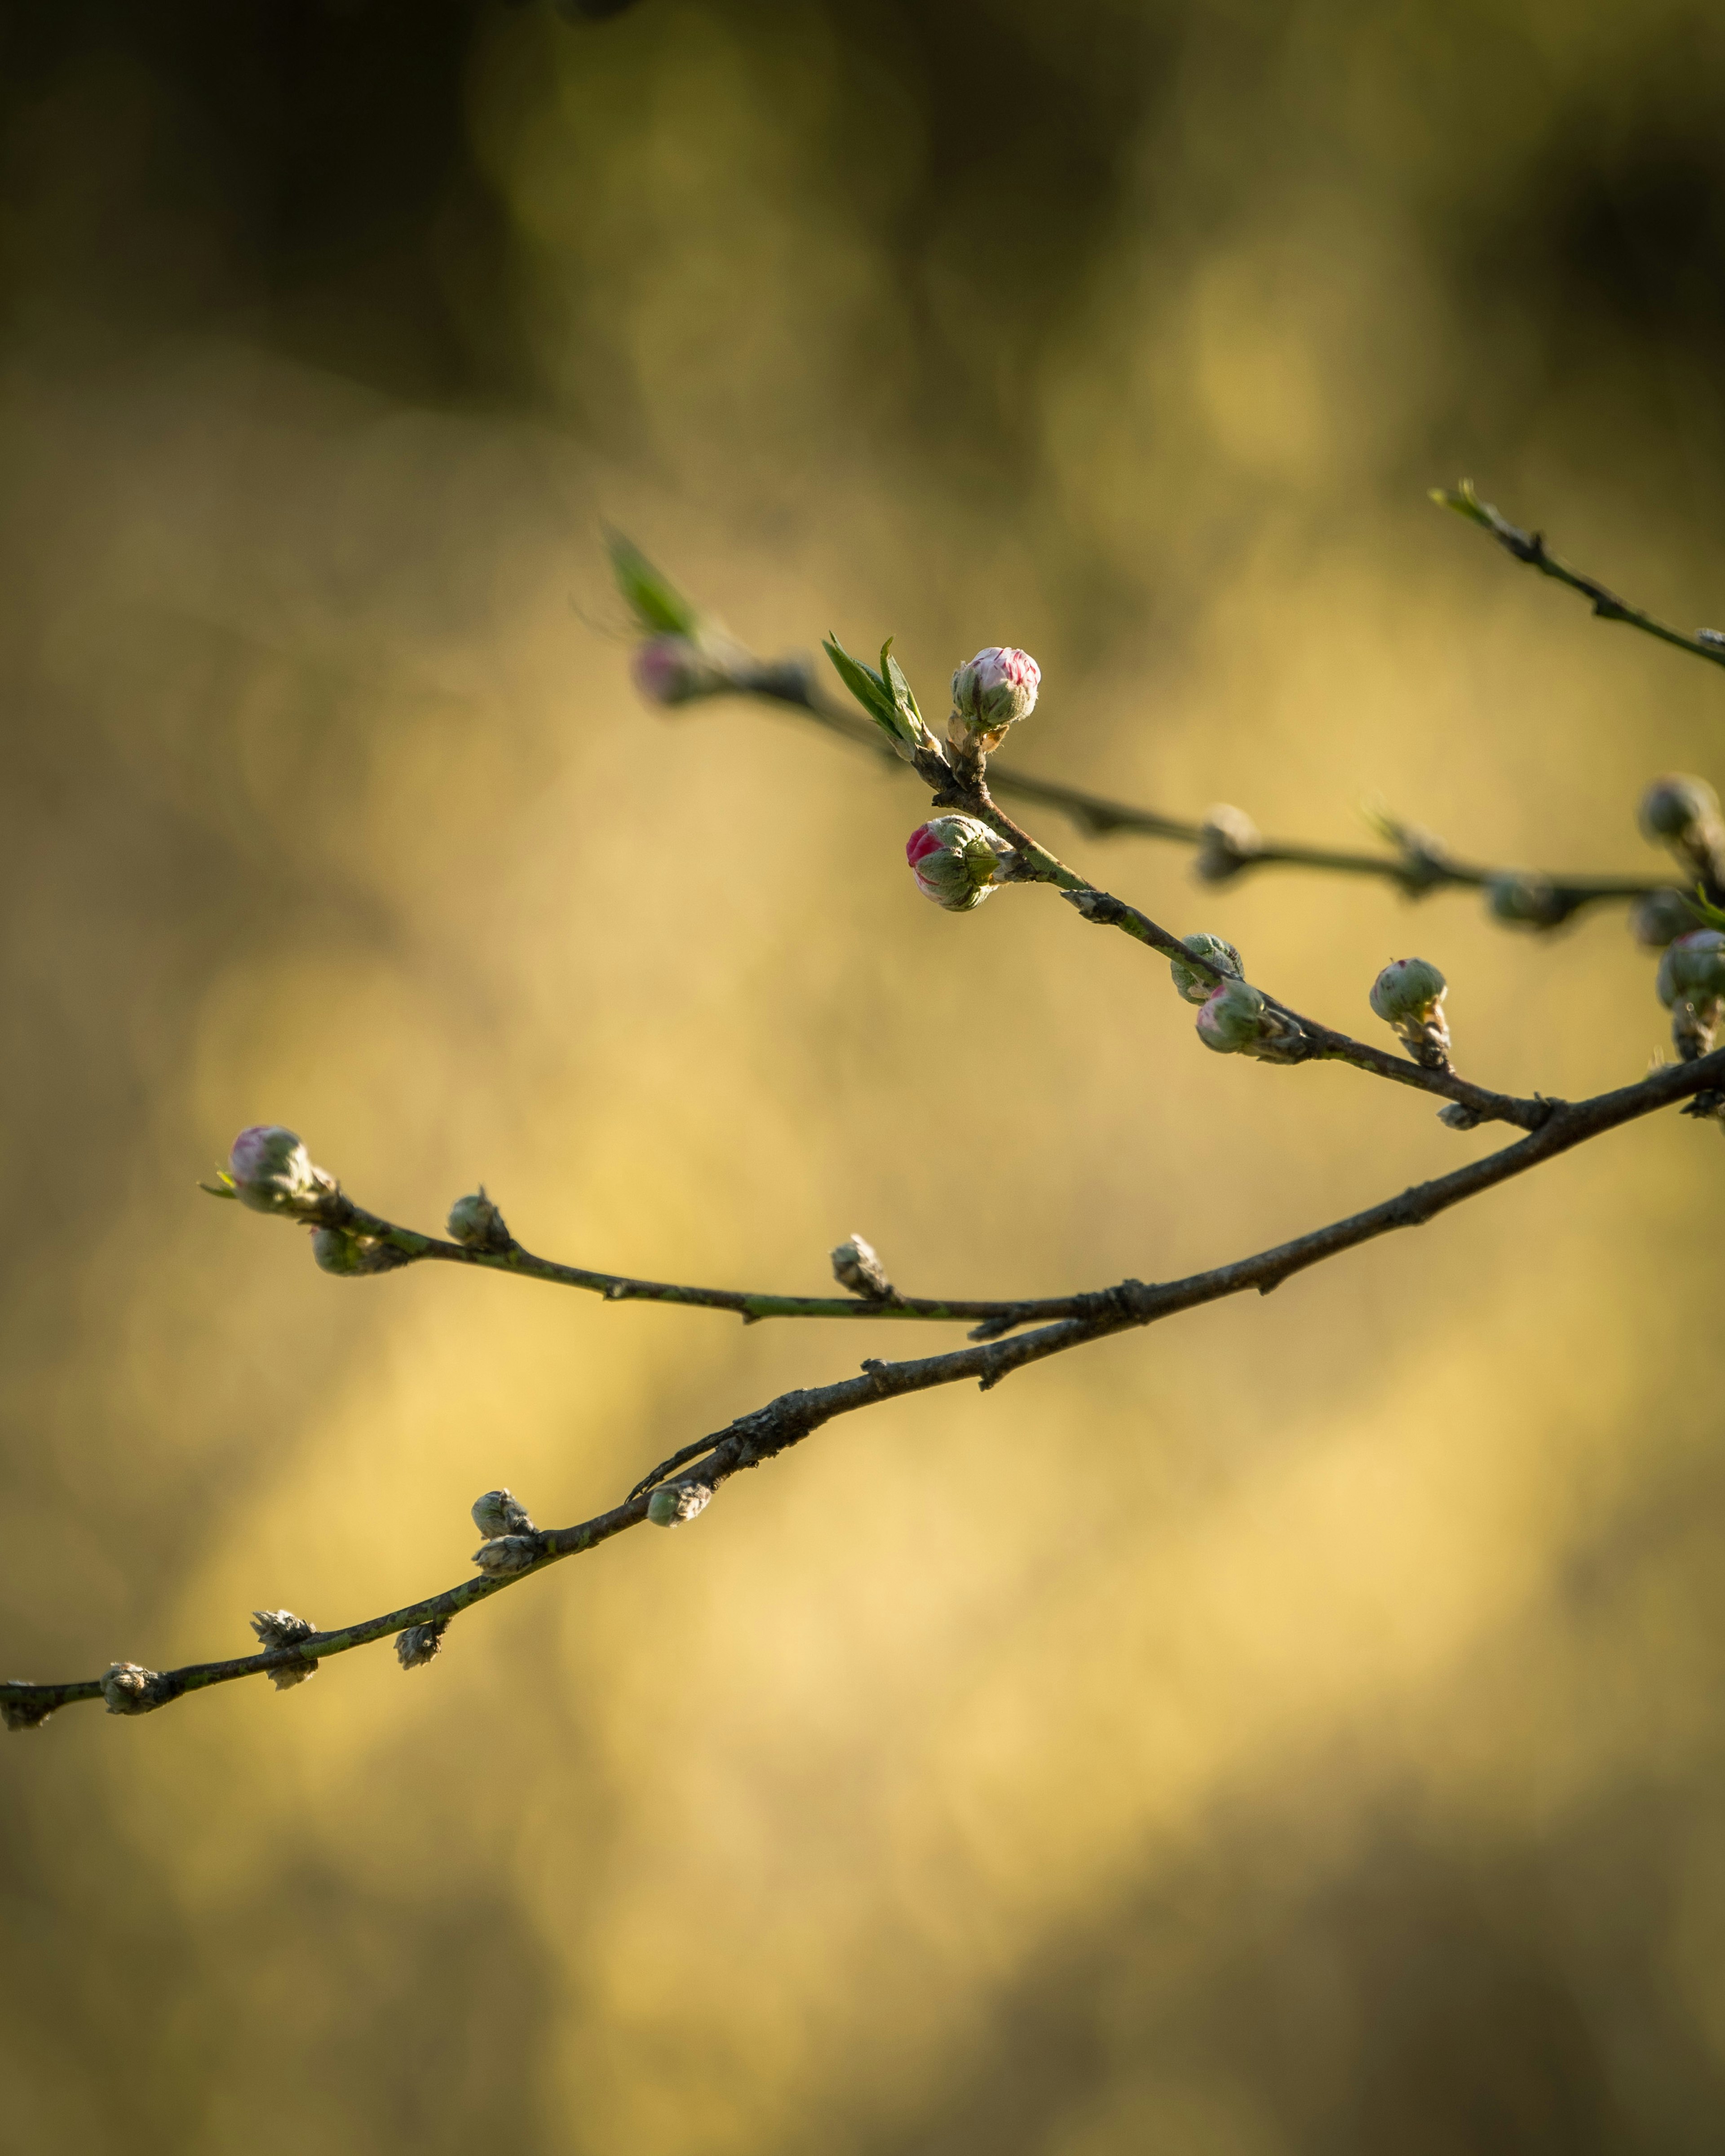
x,y
1660,917
1693,966
856,1265
1198,987
271,1171
1678,811
1408,995
1524,899
420,1643
1236,1020
476,1222
672,1503
349,1256
279,1627
499,1513
990,693
955,861
1229,841
505,1553
130,1689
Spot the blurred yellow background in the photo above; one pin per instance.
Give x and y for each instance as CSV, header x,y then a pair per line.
x,y
1294,1730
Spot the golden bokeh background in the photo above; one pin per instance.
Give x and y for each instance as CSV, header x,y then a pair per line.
x,y
1294,1730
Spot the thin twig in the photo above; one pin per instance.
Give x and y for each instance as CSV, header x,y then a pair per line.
x,y
1530,548
793,1416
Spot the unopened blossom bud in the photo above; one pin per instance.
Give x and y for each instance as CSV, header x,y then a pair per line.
x,y
507,1554
669,670
955,860
1408,995
130,1689
1197,988
1525,901
271,1171
279,1627
672,1503
1459,1118
420,1643
1236,1020
1660,917
1677,811
349,1256
990,693
17,1713
857,1267
475,1221
1693,966
1230,842
499,1513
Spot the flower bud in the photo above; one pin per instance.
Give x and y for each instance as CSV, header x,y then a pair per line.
x,y
272,1172
1230,842
475,1221
420,1643
497,1513
130,1689
1525,901
669,670
1408,995
672,1503
955,860
1660,917
348,1256
856,1266
1198,987
1458,1117
279,1627
21,1713
990,693
1678,811
1236,1020
1693,966
507,1554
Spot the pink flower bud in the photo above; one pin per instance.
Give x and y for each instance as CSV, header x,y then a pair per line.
x,y
669,670
990,693
955,861
271,1171
1236,1020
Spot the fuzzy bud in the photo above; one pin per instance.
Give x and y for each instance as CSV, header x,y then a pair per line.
x,y
497,1513
1679,813
857,1267
1198,987
1525,901
348,1256
420,1643
507,1554
672,1503
1408,995
1661,917
1230,842
21,1713
669,670
279,1627
271,1171
990,693
130,1689
476,1222
1693,967
1236,1020
1459,1118
955,860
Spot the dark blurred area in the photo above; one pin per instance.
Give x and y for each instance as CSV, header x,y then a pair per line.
x,y
1297,1735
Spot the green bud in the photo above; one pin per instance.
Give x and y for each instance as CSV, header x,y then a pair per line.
x,y
476,1222
349,1256
1198,987
1677,811
498,1513
672,1503
1693,966
1661,917
1525,901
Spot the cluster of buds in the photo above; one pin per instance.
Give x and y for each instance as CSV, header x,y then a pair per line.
x,y
1692,987
1229,841
1236,1019
1408,995
351,1257
991,693
475,1222
1521,898
673,1503
277,1628
270,1170
1196,987
1683,814
513,1542
420,1643
857,1267
129,1688
956,860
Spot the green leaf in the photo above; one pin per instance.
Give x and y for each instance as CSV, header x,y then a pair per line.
x,y
1710,917
658,606
865,684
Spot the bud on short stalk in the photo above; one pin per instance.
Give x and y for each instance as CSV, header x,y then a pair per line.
x,y
991,693
349,1256
498,1513
1408,995
1229,842
420,1643
857,1267
955,861
279,1627
673,1503
1683,814
1197,988
270,1170
475,1222
1236,1020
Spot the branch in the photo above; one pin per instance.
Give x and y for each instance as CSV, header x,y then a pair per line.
x,y
786,1421
1529,547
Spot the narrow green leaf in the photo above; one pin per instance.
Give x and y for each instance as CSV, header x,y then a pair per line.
x,y
655,602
